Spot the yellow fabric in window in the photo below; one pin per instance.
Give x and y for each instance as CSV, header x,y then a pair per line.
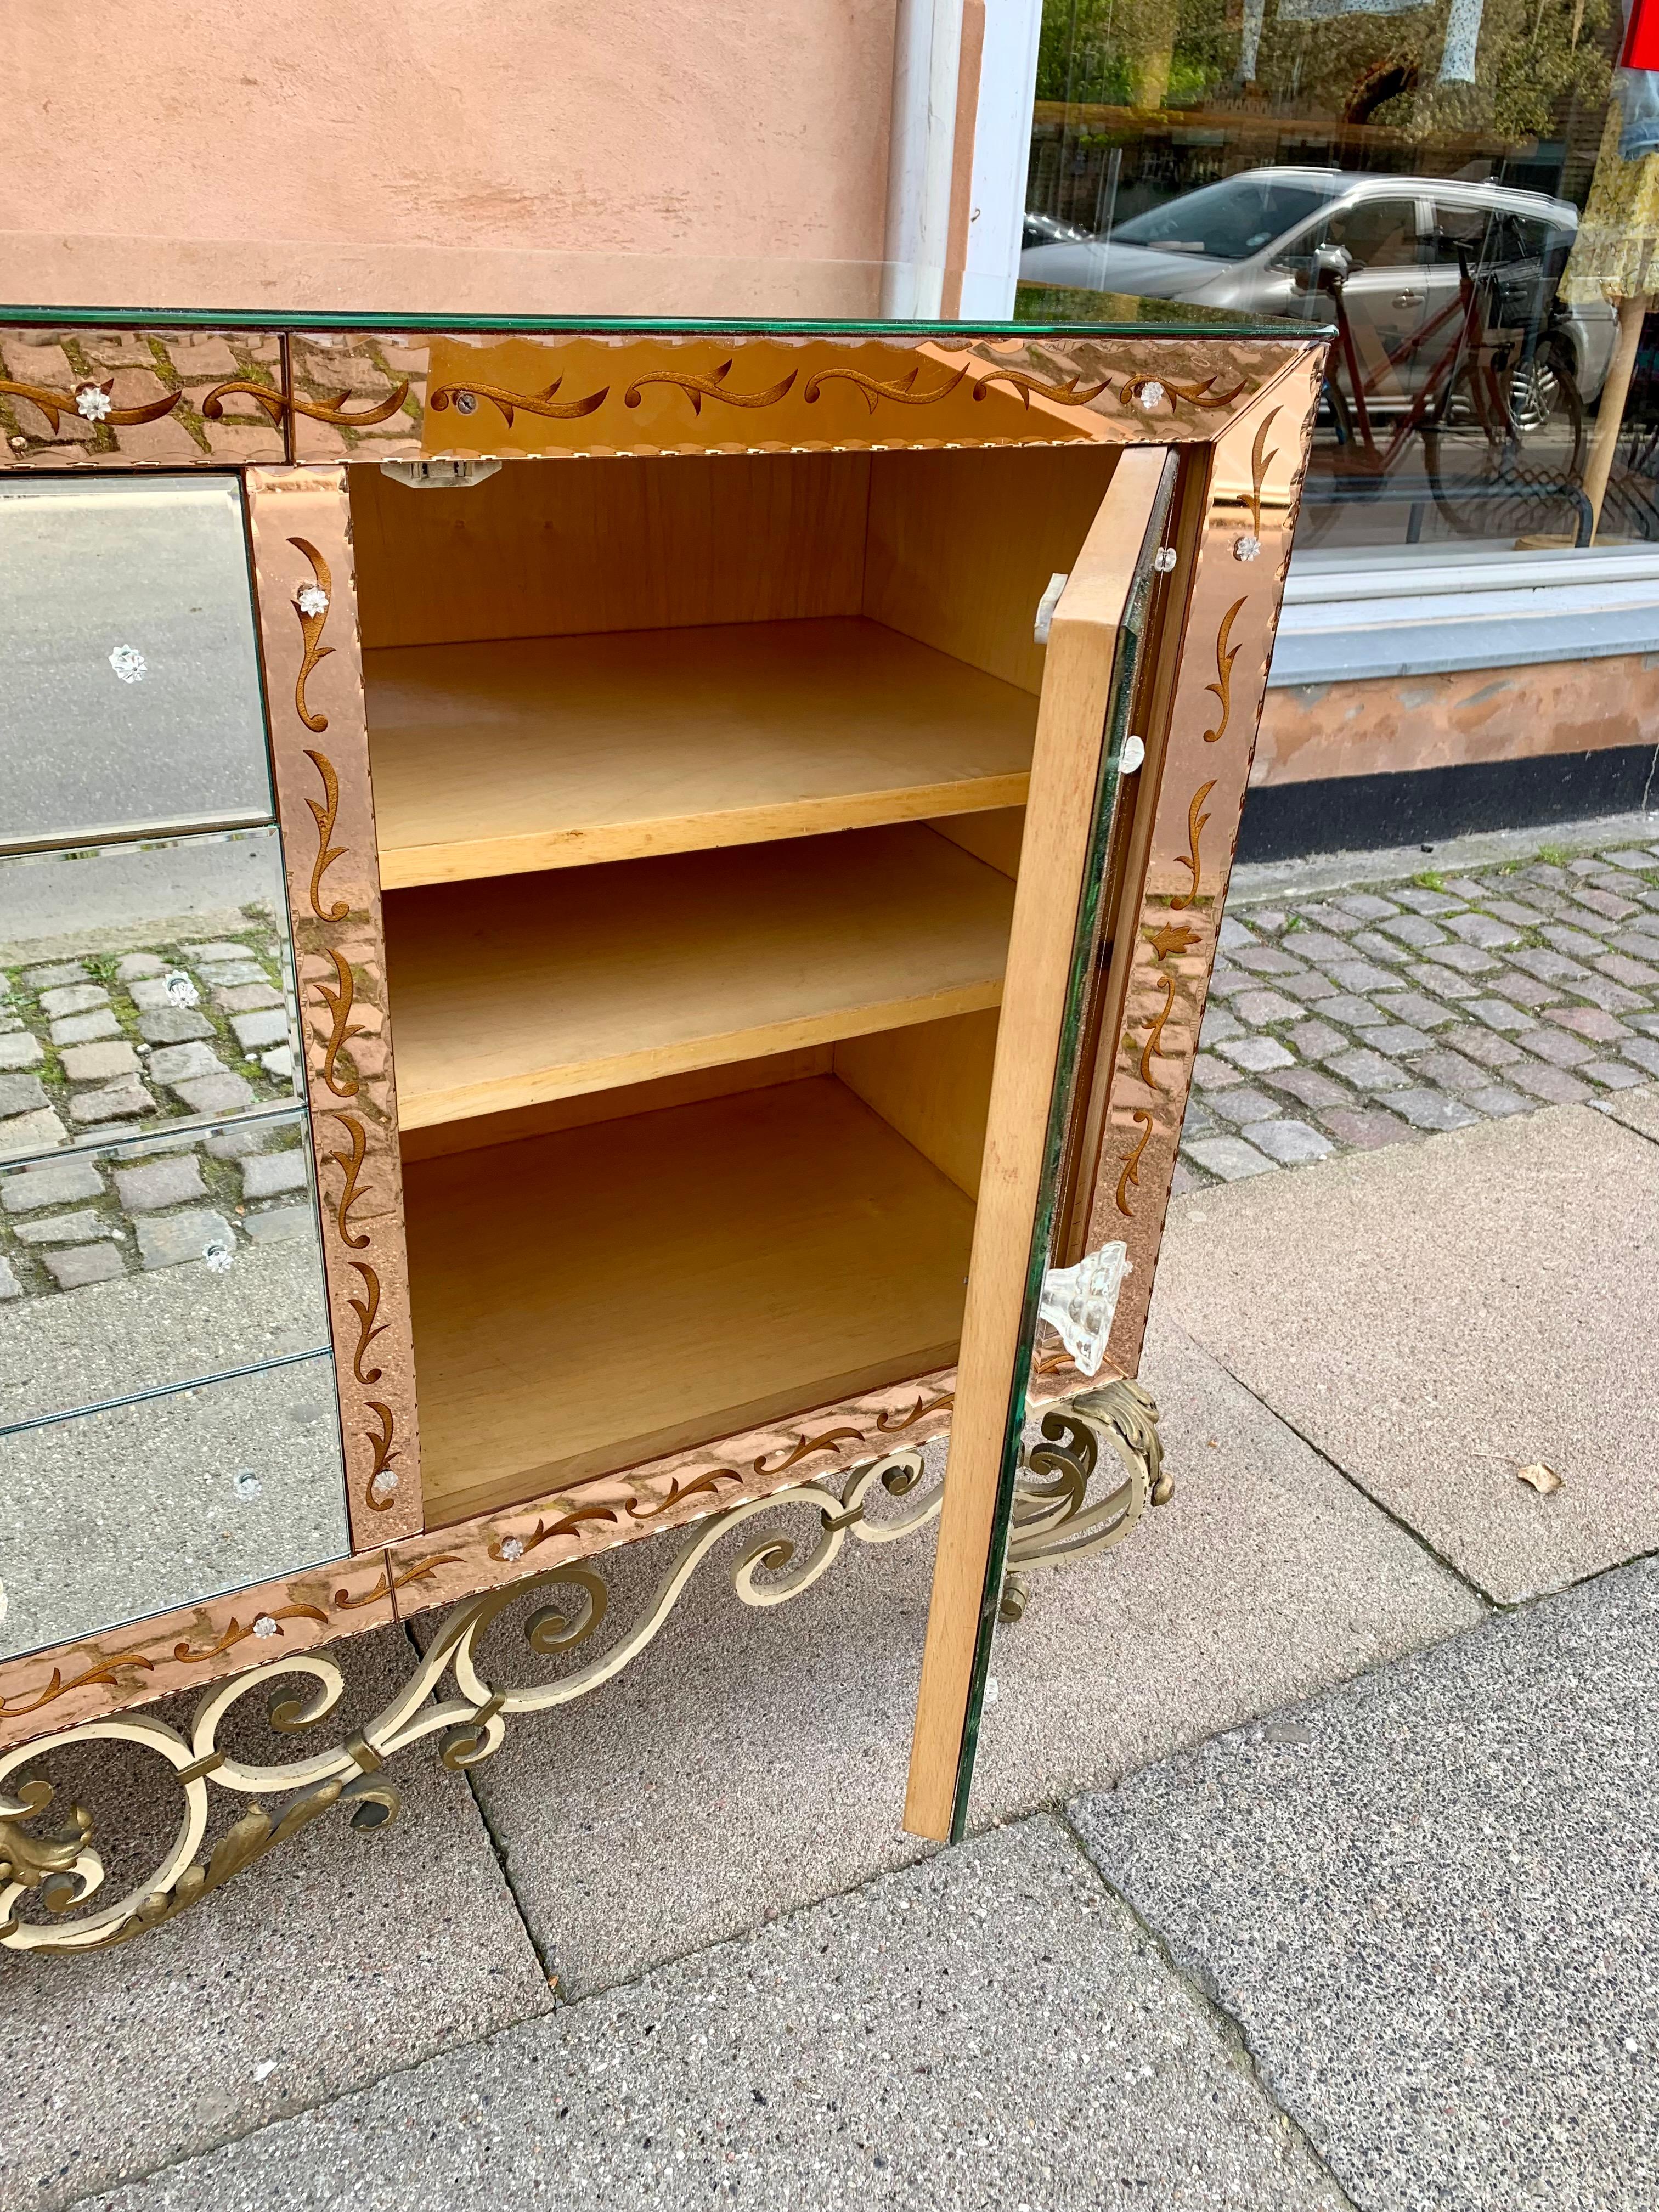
x,y
1615,255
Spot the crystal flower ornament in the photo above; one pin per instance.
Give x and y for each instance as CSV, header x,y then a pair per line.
x,y
1079,1302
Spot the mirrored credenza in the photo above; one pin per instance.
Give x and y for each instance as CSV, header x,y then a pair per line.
x,y
603,932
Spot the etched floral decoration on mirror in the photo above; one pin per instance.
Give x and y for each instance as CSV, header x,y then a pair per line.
x,y
300,530
189,1646
89,397
597,393
254,397
1217,706
594,1516
793,393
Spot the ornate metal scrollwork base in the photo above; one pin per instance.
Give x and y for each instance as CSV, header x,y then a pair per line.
x,y
1053,1524
64,1873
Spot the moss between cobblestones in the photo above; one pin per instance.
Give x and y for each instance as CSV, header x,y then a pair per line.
x,y
26,434
103,438
184,412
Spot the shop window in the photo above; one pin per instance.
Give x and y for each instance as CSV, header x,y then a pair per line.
x,y
1445,182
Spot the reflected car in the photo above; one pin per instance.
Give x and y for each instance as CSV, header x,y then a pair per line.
x,y
1250,242
1042,229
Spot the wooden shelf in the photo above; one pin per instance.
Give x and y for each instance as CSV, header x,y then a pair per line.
x,y
505,994
586,1301
492,759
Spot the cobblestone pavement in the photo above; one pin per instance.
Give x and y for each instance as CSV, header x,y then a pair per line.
x,y
120,1045
1359,1018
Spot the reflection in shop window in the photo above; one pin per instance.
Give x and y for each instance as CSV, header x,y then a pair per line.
x,y
1445,185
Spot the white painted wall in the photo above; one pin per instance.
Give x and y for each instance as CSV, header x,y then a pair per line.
x,y
927,62
1002,145
926,67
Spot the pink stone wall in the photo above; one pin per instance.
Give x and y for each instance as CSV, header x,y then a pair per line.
x,y
1385,723
750,130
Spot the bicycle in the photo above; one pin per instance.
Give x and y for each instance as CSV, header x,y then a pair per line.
x,y
1493,407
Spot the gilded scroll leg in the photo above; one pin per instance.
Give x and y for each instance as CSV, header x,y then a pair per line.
x,y
1016,1595
803,1530
1054,1521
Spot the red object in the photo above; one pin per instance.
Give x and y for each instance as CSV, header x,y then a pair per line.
x,y
1642,38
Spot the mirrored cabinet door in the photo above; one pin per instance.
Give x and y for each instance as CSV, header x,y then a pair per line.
x,y
169,1425
107,1516
129,693
141,987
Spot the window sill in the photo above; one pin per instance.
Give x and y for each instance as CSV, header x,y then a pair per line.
x,y
1415,611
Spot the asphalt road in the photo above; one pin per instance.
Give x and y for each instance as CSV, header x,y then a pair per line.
x,y
153,571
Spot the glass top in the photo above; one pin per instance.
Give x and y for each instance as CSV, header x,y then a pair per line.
x,y
88,281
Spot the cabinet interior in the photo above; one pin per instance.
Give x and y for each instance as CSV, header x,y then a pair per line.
x,y
697,783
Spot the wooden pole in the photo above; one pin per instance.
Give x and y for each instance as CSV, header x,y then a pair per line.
x,y
1610,414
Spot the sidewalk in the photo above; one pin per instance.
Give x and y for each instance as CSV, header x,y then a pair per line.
x,y
1324,1874
1395,1948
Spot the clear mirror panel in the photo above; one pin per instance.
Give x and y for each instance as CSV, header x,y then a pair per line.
x,y
130,694
156,1262
105,1517
141,986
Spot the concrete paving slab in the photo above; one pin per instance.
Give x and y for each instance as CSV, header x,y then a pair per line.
x,y
755,1760
1266,1576
333,1960
1436,1317
750,1761
1636,1110
988,2030
1428,1899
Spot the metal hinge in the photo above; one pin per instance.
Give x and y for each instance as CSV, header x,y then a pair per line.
x,y
438,474
1046,604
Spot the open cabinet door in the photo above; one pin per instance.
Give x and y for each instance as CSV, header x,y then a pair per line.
x,y
1082,726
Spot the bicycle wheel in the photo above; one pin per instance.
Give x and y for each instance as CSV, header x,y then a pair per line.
x,y
1505,450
